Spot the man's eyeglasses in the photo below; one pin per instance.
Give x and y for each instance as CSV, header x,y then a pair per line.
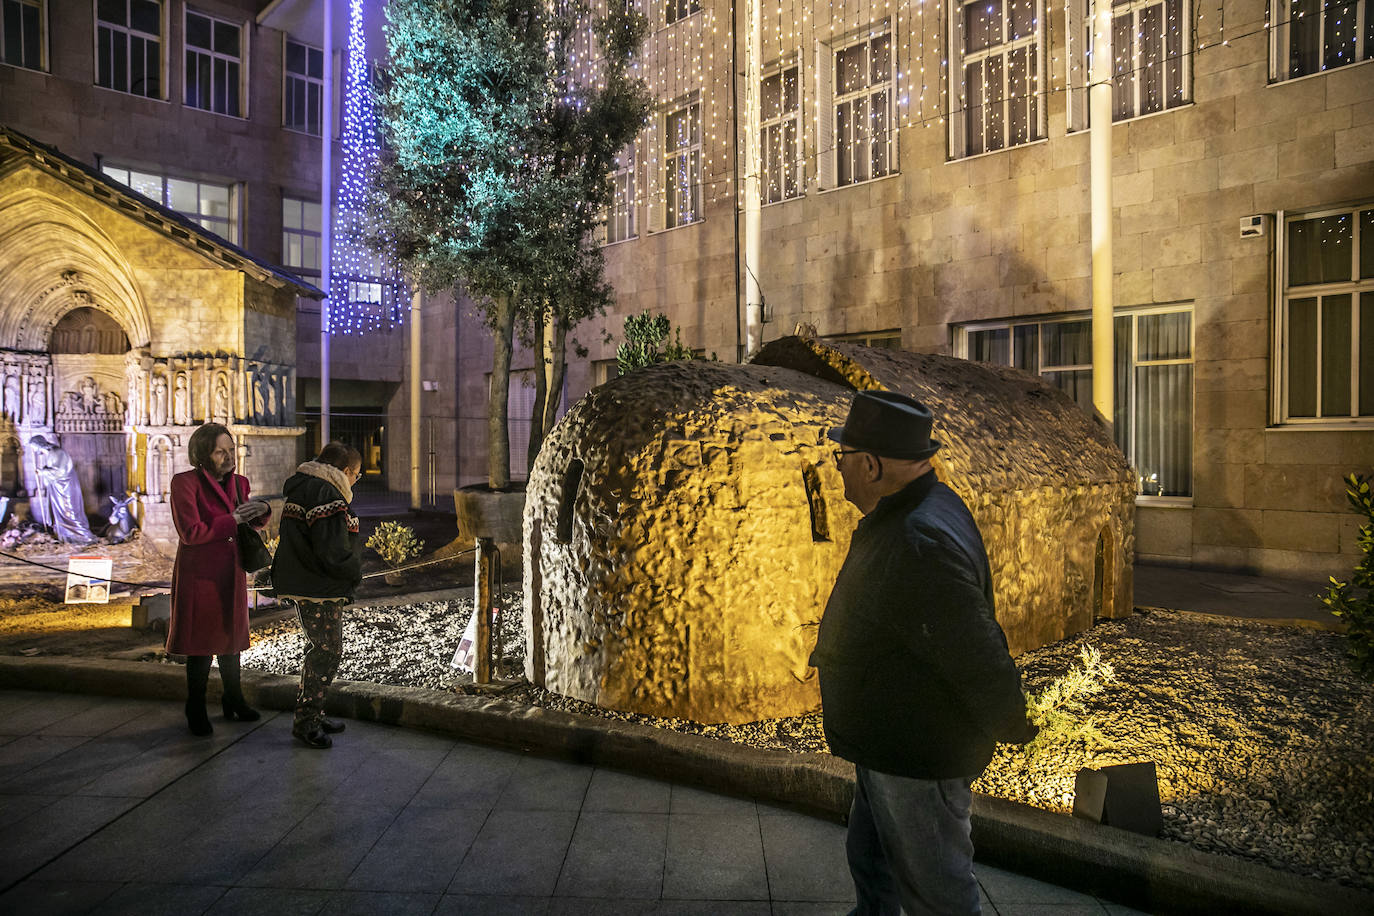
x,y
841,452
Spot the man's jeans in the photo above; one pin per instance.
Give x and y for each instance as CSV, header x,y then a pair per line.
x,y
908,846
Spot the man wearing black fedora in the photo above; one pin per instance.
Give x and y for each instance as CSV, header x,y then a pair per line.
x,y
917,685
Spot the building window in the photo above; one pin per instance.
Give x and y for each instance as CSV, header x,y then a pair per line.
x,y
888,340
1149,70
1309,36
22,32
863,109
303,91
681,9
620,219
996,61
780,106
300,236
682,162
213,206
128,38
214,64
1326,320
1153,381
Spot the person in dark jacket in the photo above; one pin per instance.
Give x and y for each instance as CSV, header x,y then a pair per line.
x,y
917,684
318,568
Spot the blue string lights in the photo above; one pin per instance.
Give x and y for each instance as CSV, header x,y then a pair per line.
x,y
365,291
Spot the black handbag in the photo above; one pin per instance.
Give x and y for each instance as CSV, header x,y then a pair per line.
x,y
253,553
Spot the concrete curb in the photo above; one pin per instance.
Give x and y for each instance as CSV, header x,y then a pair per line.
x,y
1143,872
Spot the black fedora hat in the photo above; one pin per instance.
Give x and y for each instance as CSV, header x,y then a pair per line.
x,y
889,425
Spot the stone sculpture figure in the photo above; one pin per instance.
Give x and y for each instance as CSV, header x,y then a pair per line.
x,y
260,397
90,395
12,398
38,402
221,411
181,403
158,413
57,501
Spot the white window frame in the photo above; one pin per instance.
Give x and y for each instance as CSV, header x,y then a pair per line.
x,y
682,158
961,109
39,10
298,233
835,148
1285,294
776,153
215,57
129,35
621,225
312,88
159,187
1281,19
1127,411
678,10
1177,88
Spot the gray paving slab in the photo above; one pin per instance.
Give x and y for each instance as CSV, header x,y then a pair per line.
x,y
715,857
491,905
420,851
373,903
615,854
539,784
805,858
322,850
269,901
33,841
610,790
56,898
140,899
518,853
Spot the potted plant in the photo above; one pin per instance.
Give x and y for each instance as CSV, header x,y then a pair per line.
x,y
395,544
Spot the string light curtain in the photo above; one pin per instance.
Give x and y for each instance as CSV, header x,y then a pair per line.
x,y
365,291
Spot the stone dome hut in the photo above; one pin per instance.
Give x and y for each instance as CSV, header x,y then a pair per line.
x,y
684,524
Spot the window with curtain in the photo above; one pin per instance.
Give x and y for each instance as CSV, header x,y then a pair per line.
x,y
1153,384
301,231
23,28
620,219
1309,36
996,65
303,89
780,104
128,40
214,64
863,134
1326,316
213,206
681,9
682,165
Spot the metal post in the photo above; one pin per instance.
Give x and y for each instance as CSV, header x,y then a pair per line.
x,y
416,304
753,167
487,558
1100,169
326,213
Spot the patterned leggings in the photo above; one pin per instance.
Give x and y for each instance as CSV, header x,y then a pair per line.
x,y
322,624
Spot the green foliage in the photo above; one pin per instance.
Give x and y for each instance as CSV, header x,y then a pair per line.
x,y
1353,601
395,543
497,159
1061,713
647,343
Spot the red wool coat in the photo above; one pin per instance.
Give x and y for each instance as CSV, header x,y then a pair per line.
x,y
209,588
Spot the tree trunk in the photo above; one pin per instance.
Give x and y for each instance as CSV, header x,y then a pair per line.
x,y
541,389
498,398
556,373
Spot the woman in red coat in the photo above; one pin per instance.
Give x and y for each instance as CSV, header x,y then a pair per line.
x,y
209,587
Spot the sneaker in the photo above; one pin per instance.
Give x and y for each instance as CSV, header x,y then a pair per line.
x,y
331,726
316,739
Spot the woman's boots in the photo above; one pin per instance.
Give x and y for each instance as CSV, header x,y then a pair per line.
x,y
235,707
197,675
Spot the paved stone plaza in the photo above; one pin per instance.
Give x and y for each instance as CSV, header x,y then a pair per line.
x,y
108,806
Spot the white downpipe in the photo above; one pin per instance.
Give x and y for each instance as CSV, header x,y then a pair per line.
x,y
753,166
416,303
1100,113
326,212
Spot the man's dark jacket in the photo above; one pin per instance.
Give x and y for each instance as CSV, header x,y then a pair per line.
x,y
916,679
317,556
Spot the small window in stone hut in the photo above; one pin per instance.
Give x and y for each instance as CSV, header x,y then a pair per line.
x,y
572,482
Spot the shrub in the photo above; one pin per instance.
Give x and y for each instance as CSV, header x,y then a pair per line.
x,y
1060,711
395,543
648,341
1353,601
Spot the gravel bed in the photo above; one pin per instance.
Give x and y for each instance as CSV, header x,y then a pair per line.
x,y
1261,735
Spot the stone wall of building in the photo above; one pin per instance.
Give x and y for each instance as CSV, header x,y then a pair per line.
x,y
1006,235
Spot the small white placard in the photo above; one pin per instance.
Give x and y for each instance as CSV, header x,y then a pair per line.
x,y
465,658
88,580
